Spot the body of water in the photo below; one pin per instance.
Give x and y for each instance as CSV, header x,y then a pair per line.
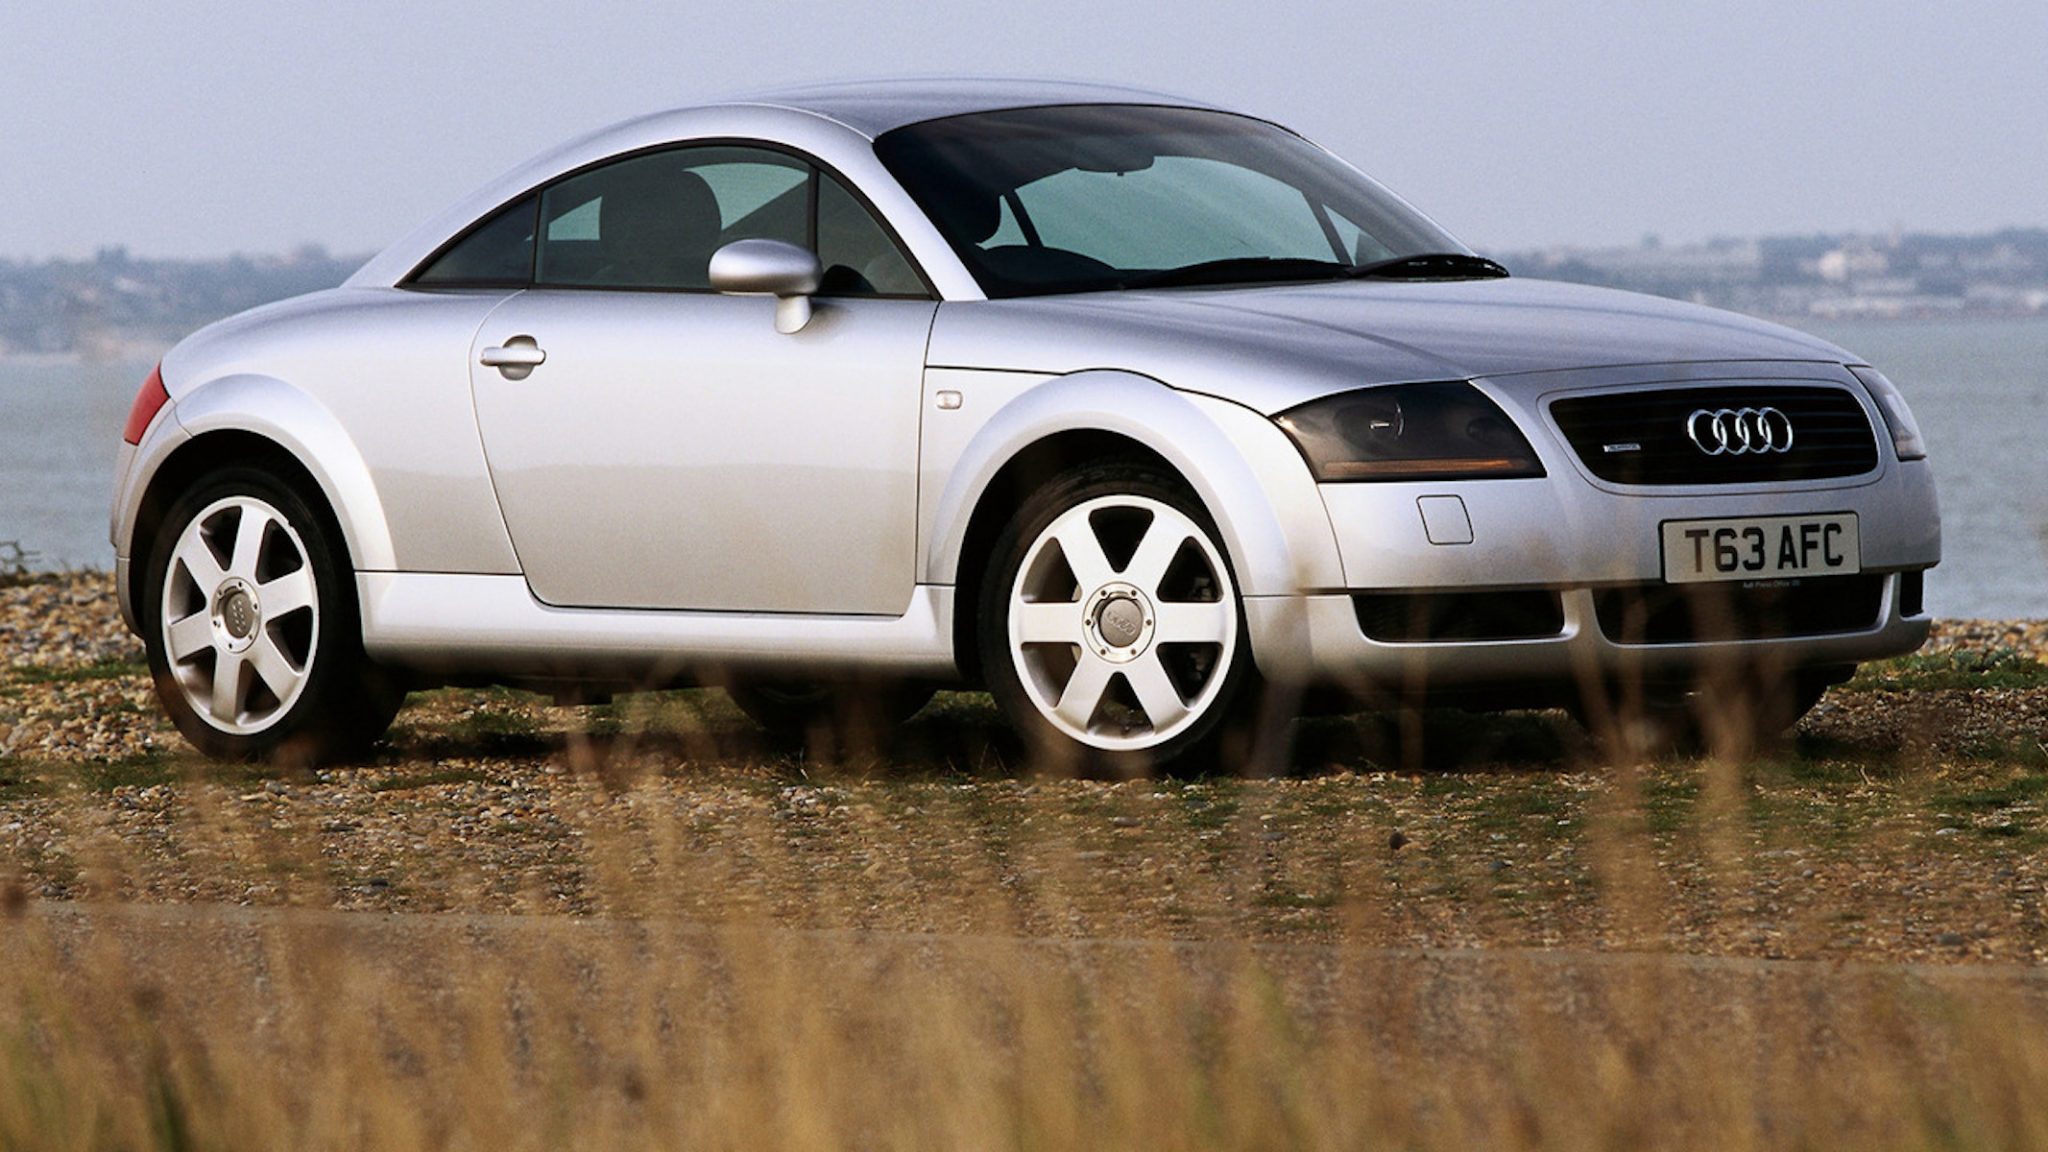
x,y
60,430
1978,386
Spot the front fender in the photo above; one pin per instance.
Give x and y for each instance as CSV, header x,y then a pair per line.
x,y
1238,462
268,407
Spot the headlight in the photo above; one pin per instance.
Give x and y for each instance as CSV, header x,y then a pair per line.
x,y
1891,405
1446,431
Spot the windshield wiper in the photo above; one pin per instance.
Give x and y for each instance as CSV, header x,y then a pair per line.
x,y
1273,269
1430,266
1240,270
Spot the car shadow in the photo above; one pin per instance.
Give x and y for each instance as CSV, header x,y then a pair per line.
x,y
959,736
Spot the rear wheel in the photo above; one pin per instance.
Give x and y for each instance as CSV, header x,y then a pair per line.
x,y
820,715
1111,627
251,625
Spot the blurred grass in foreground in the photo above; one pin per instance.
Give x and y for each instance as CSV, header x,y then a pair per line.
x,y
280,1033
769,1026
1500,942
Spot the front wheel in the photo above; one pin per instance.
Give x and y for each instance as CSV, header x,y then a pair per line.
x,y
250,621
1734,717
1111,626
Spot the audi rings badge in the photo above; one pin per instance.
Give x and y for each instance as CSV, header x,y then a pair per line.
x,y
1739,431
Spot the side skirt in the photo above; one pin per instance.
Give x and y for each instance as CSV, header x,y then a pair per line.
x,y
469,626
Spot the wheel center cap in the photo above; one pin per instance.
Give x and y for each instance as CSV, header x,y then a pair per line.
x,y
1120,621
239,615
236,614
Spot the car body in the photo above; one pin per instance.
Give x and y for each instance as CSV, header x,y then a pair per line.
x,y
601,471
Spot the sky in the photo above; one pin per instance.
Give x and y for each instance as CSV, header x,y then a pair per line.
x,y
181,129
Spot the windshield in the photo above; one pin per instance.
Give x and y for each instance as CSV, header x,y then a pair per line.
x,y
1084,197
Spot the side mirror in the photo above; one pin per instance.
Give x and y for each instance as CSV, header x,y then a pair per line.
x,y
771,268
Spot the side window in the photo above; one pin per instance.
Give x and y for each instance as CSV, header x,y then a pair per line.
x,y
653,221
497,254
859,257
761,195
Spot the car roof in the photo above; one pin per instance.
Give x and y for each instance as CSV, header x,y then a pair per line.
x,y
873,107
822,121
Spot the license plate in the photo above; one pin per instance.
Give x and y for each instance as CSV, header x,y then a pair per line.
x,y
1760,548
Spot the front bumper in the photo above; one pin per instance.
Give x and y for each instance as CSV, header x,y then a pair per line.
x,y
1588,553
1317,639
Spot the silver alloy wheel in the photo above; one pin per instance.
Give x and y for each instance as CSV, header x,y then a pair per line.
x,y
240,615
1123,659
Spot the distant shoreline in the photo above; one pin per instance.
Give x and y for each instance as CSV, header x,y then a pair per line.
x,y
129,353
121,308
1802,319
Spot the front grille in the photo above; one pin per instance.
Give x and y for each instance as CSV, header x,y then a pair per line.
x,y
1422,617
1640,437
1762,610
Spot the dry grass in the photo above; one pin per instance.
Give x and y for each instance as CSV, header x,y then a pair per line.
x,y
534,927
781,1022
275,1034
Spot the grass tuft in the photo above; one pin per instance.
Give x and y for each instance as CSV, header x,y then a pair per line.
x,y
79,673
1954,668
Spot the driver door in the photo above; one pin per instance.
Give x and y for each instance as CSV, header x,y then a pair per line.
x,y
671,449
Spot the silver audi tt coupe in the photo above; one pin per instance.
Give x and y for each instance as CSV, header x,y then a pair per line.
x,y
1130,409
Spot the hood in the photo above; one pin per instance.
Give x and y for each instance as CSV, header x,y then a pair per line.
x,y
1273,347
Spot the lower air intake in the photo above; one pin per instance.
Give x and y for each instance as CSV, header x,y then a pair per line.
x,y
1763,610
1425,617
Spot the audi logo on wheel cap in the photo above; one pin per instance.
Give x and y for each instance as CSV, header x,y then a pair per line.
x,y
1739,431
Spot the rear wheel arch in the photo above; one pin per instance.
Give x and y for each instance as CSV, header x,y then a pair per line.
x,y
262,416
204,455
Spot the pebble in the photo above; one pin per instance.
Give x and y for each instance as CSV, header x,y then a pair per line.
x,y
2027,637
63,621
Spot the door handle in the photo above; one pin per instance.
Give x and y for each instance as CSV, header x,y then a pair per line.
x,y
515,358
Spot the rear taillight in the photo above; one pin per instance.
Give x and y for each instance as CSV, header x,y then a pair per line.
x,y
148,403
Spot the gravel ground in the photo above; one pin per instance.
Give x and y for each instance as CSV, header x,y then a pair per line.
x,y
1906,821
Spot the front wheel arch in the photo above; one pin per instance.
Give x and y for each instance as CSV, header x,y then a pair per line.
x,y
1242,467
1037,465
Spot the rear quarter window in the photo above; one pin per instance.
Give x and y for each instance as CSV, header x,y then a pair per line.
x,y
496,253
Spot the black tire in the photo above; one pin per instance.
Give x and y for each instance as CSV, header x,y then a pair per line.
x,y
327,701
1733,718
822,717
1757,714
1214,680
